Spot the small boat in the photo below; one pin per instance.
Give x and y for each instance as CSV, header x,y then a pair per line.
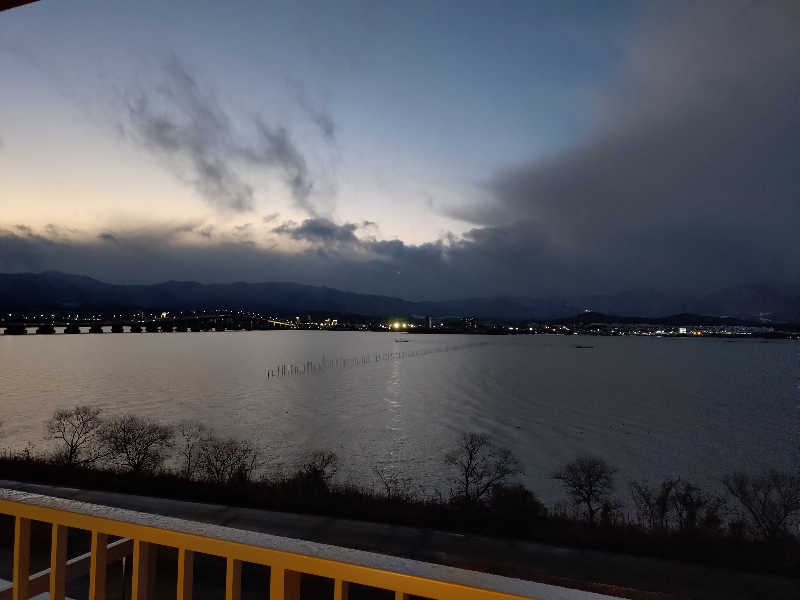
x,y
401,341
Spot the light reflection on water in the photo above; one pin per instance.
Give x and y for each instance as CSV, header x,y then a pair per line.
x,y
652,407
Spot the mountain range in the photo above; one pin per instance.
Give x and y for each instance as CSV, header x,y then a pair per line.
x,y
52,290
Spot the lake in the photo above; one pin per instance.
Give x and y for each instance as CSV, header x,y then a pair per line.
x,y
652,407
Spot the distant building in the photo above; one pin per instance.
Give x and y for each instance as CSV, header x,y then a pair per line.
x,y
429,322
470,322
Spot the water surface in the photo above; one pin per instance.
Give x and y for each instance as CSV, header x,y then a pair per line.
x,y
653,407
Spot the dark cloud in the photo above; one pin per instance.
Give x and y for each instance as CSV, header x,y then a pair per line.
x,y
22,251
335,257
107,237
320,230
689,180
479,265
487,262
276,148
186,125
322,119
270,217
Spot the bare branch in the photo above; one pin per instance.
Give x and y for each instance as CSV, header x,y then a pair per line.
x,y
136,443
588,482
481,467
76,432
771,500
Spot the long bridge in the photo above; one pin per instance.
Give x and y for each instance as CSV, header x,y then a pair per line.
x,y
187,323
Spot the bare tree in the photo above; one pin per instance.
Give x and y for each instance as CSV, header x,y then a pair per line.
x,y
225,461
191,435
76,431
678,504
136,443
771,500
481,467
588,481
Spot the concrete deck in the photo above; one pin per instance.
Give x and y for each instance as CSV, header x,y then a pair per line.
x,y
5,585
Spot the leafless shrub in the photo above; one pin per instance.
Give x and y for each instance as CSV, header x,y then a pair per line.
x,y
394,486
75,430
322,465
136,443
226,460
588,482
480,466
771,501
516,500
695,508
611,513
654,506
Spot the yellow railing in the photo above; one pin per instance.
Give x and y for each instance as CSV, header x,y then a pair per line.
x,y
141,534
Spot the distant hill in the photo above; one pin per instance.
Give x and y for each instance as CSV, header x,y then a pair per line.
x,y
684,319
52,290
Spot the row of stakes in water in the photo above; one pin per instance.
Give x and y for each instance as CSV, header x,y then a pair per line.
x,y
310,367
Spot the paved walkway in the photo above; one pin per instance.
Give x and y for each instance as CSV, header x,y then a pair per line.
x,y
5,585
612,574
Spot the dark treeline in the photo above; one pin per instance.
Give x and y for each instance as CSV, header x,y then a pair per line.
x,y
753,526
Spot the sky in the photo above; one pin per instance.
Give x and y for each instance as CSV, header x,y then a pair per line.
x,y
427,150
